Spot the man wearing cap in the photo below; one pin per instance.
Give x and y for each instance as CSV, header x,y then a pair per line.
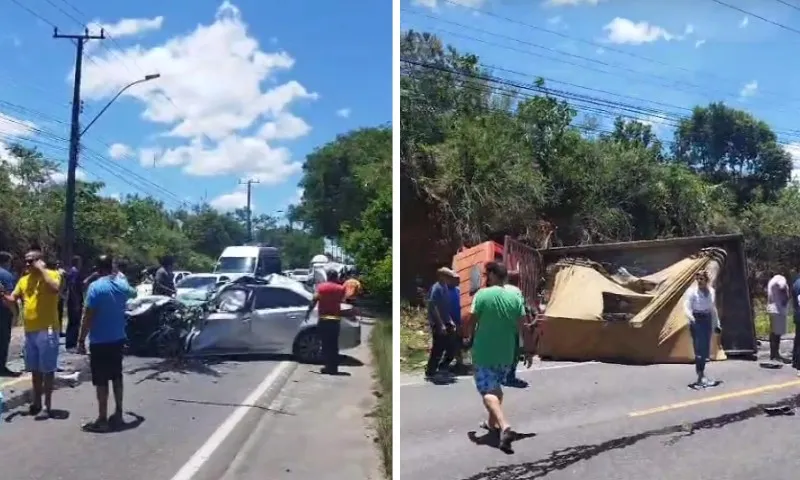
x,y
442,326
329,297
777,308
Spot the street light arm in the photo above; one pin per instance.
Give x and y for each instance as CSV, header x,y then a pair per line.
x,y
147,78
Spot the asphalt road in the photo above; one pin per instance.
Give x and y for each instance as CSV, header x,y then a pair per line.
x,y
601,421
179,425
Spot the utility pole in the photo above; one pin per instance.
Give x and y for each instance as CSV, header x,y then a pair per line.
x,y
249,184
74,141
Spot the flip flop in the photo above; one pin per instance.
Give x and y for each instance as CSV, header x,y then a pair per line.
x,y
96,426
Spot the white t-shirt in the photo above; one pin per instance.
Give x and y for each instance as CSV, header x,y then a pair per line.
x,y
777,295
697,301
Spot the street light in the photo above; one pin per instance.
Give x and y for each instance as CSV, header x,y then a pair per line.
x,y
146,78
74,145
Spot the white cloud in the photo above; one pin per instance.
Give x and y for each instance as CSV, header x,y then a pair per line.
x,y
232,155
231,201
571,3
211,94
625,31
434,4
699,43
745,21
61,176
750,89
600,51
793,149
15,127
119,151
343,112
555,20
127,26
285,127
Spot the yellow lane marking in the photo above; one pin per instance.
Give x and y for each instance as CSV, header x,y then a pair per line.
x,y
717,398
14,382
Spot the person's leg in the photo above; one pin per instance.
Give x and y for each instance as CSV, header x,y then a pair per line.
x,y
796,348
48,349
32,364
699,363
488,381
73,324
449,350
326,334
5,338
438,345
332,361
704,329
115,367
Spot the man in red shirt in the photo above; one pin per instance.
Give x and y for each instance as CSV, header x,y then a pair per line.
x,y
329,297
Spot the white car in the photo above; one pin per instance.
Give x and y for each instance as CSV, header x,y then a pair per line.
x,y
302,275
145,288
197,281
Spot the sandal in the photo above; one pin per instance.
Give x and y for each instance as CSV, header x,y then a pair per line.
x,y
96,426
116,421
485,425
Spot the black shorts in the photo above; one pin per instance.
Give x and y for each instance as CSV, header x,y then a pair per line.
x,y
105,361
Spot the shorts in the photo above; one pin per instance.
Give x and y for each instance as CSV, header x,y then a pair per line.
x,y
490,379
778,323
41,351
105,362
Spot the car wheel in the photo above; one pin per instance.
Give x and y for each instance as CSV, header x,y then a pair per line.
x,y
308,347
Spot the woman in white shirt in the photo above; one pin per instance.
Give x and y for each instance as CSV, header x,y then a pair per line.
x,y
701,309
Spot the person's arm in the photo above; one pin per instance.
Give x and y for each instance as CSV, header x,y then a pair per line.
x,y
714,312
687,305
51,278
312,305
433,306
88,317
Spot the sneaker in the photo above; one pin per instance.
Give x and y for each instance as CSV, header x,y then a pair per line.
x,y
515,383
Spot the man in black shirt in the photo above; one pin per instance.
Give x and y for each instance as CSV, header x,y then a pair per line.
x,y
164,282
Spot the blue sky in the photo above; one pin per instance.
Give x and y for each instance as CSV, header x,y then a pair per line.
x,y
679,53
247,89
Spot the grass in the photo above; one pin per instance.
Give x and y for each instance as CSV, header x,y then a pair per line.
x,y
414,338
762,319
380,342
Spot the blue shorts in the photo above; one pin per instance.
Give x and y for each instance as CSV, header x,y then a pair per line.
x,y
41,351
490,379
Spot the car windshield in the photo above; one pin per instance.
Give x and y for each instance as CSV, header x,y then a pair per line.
x,y
236,265
196,282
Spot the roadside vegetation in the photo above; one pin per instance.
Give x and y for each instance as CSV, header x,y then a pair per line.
x,y
381,346
487,153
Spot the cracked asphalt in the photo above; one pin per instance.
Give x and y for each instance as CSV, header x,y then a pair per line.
x,y
602,422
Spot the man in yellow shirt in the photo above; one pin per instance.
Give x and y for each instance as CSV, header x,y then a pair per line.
x,y
38,290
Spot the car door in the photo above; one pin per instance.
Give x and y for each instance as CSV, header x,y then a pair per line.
x,y
278,314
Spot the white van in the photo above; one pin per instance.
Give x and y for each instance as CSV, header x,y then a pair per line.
x,y
258,261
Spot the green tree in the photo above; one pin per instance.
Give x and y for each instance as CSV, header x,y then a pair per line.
x,y
731,147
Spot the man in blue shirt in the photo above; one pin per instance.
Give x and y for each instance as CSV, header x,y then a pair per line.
x,y
442,326
7,313
104,323
455,315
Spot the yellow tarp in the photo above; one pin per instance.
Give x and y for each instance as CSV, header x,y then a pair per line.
x,y
576,326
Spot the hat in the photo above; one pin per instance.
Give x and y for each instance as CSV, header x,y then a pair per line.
x,y
448,272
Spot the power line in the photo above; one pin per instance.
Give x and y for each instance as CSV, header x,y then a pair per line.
x,y
788,4
741,10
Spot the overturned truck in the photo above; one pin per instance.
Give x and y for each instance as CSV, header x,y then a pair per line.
x,y
622,301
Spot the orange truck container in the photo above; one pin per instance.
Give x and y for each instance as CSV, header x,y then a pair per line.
x,y
468,264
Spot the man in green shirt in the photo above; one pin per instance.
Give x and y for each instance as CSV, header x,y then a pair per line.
x,y
498,317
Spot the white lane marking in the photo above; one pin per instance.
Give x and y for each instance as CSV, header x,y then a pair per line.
x,y
202,455
519,370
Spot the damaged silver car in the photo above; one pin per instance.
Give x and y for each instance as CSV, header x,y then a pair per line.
x,y
266,316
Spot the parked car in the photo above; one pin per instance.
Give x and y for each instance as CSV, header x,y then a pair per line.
x,y
266,316
300,274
